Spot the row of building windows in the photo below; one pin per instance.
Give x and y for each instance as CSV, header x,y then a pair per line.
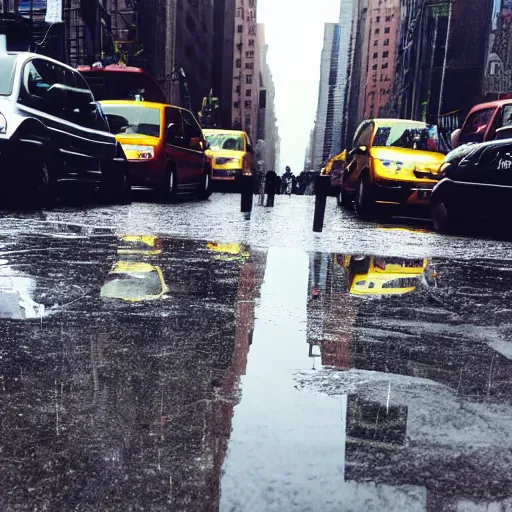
x,y
248,65
376,42
385,55
248,92
387,30
385,65
388,18
252,30
247,104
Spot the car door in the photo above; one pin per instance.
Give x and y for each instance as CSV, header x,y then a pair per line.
x,y
176,148
194,141
359,156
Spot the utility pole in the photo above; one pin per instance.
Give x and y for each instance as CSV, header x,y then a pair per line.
x,y
443,76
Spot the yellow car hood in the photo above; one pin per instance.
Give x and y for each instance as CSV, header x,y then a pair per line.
x,y
137,139
409,157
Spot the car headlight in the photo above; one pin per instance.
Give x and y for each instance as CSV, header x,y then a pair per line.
x,y
224,161
135,152
392,165
3,124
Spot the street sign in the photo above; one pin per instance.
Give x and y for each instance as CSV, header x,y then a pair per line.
x,y
53,11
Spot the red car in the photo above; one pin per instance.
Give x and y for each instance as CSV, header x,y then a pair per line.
x,y
483,122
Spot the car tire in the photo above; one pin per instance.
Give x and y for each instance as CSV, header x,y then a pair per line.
x,y
170,185
444,220
364,201
205,188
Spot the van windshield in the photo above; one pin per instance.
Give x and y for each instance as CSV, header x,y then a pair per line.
x,y
7,68
132,119
402,135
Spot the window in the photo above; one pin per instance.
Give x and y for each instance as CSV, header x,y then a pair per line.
x,y
377,31
238,63
249,65
252,30
251,42
250,54
240,29
386,42
387,30
385,55
237,90
377,19
248,103
248,92
175,135
191,128
475,127
374,67
376,43
236,104
133,119
41,75
252,3
239,12
364,135
388,18
385,65
375,55
248,79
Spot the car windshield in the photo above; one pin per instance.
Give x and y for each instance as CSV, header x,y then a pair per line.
x,y
407,136
133,119
7,68
226,141
132,285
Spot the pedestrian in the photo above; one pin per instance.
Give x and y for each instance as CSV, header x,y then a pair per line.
x,y
270,187
287,181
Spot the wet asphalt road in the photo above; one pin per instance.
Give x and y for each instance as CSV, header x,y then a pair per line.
x,y
182,358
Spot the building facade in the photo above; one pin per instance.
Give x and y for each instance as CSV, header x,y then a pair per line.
x,y
328,96
379,57
224,48
246,72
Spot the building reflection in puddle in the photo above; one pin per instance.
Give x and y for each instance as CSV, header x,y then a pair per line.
x,y
125,394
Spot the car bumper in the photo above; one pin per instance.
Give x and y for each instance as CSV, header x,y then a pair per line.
x,y
146,173
225,174
479,198
403,193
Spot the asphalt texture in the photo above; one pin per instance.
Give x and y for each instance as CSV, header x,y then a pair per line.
x,y
186,358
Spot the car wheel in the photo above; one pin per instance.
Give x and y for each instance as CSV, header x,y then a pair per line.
x,y
364,202
344,199
443,218
204,191
170,185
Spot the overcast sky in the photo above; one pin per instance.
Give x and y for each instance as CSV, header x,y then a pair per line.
x,y
294,32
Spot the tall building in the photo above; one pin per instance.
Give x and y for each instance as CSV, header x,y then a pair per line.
x,y
378,57
328,96
246,72
268,130
224,47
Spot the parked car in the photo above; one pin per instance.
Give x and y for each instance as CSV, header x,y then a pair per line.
x,y
483,122
230,152
164,145
53,133
393,162
476,181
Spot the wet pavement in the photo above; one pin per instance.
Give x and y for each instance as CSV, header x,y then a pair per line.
x,y
181,358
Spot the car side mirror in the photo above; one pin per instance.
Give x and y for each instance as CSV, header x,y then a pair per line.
x,y
455,138
195,142
250,149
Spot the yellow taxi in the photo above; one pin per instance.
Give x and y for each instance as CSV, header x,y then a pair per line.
x,y
386,276
334,169
230,152
164,145
393,162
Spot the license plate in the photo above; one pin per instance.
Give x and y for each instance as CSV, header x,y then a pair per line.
x,y
424,195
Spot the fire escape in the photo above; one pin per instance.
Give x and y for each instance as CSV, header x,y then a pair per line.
x,y
75,33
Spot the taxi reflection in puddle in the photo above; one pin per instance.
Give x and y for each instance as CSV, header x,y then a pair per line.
x,y
131,279
372,275
228,251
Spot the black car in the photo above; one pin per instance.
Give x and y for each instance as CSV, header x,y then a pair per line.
x,y
476,181
53,133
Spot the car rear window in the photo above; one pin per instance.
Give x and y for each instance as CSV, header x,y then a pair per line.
x,y
7,69
132,119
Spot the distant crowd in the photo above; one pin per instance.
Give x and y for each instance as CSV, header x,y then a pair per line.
x,y
288,183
